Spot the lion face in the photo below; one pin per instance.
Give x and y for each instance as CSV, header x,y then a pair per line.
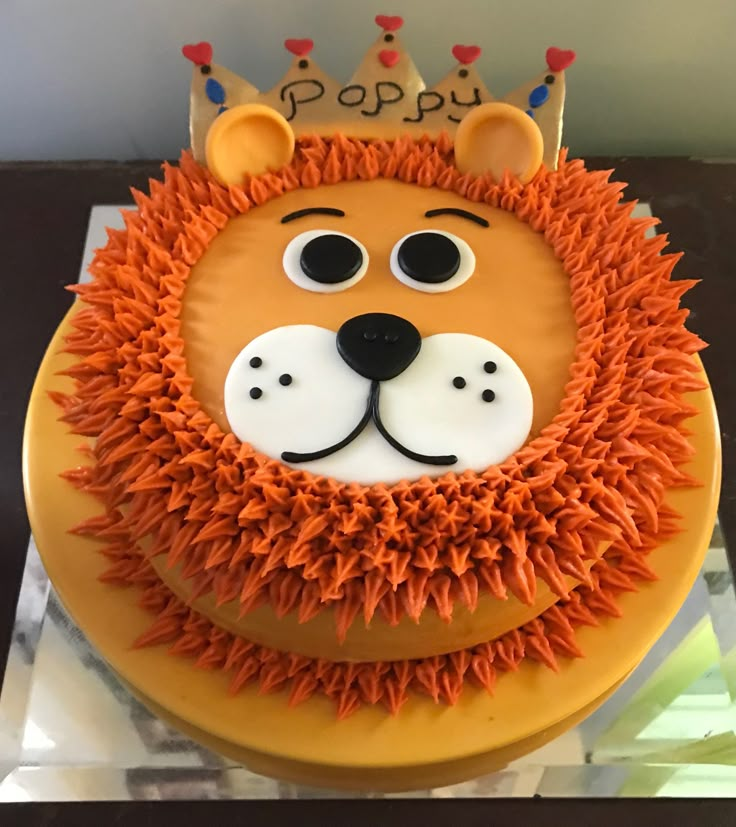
x,y
198,277
373,331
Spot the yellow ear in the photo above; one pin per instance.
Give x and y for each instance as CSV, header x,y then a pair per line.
x,y
495,137
248,139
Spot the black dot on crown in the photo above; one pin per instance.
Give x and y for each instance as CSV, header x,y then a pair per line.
x,y
256,362
391,338
303,63
459,382
285,379
490,367
463,73
205,70
550,79
388,38
488,395
256,393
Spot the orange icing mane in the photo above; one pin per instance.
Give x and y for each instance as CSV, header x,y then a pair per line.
x,y
247,528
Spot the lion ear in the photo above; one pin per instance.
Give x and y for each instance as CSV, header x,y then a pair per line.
x,y
248,139
495,137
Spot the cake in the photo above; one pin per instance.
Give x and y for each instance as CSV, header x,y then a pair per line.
x,y
382,394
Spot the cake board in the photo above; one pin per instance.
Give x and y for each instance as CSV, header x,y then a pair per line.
x,y
424,737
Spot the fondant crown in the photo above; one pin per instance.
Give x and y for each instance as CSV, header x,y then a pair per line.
x,y
385,97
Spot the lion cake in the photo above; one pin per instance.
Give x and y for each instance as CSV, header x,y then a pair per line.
x,y
382,393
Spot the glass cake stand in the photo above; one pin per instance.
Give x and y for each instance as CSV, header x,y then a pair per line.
x,y
70,731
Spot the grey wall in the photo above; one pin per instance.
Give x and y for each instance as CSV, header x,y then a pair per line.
x,y
105,78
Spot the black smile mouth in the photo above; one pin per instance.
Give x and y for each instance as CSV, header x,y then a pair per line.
x,y
371,413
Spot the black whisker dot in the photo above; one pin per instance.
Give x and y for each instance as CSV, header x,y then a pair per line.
x,y
256,362
285,379
490,367
256,393
488,395
459,382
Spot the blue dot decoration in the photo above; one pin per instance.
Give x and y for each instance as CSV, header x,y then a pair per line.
x,y
530,113
214,91
538,95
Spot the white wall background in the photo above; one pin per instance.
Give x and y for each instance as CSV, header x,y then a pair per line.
x,y
105,78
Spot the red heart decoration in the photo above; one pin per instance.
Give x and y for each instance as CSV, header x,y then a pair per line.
x,y
199,53
465,54
559,59
299,47
388,57
389,23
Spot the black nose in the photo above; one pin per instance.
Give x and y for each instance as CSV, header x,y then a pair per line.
x,y
378,345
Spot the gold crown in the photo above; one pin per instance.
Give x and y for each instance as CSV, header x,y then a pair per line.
x,y
386,96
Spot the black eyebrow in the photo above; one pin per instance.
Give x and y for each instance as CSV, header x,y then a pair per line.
x,y
292,216
471,216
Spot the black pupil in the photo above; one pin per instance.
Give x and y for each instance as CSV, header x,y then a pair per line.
x,y
331,259
429,257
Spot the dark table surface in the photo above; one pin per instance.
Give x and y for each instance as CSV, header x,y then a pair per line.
x,y
44,209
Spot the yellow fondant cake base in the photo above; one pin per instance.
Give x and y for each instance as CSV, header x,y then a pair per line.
x,y
367,779
526,704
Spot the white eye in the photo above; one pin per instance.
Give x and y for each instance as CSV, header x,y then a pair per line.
x,y
324,261
432,261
